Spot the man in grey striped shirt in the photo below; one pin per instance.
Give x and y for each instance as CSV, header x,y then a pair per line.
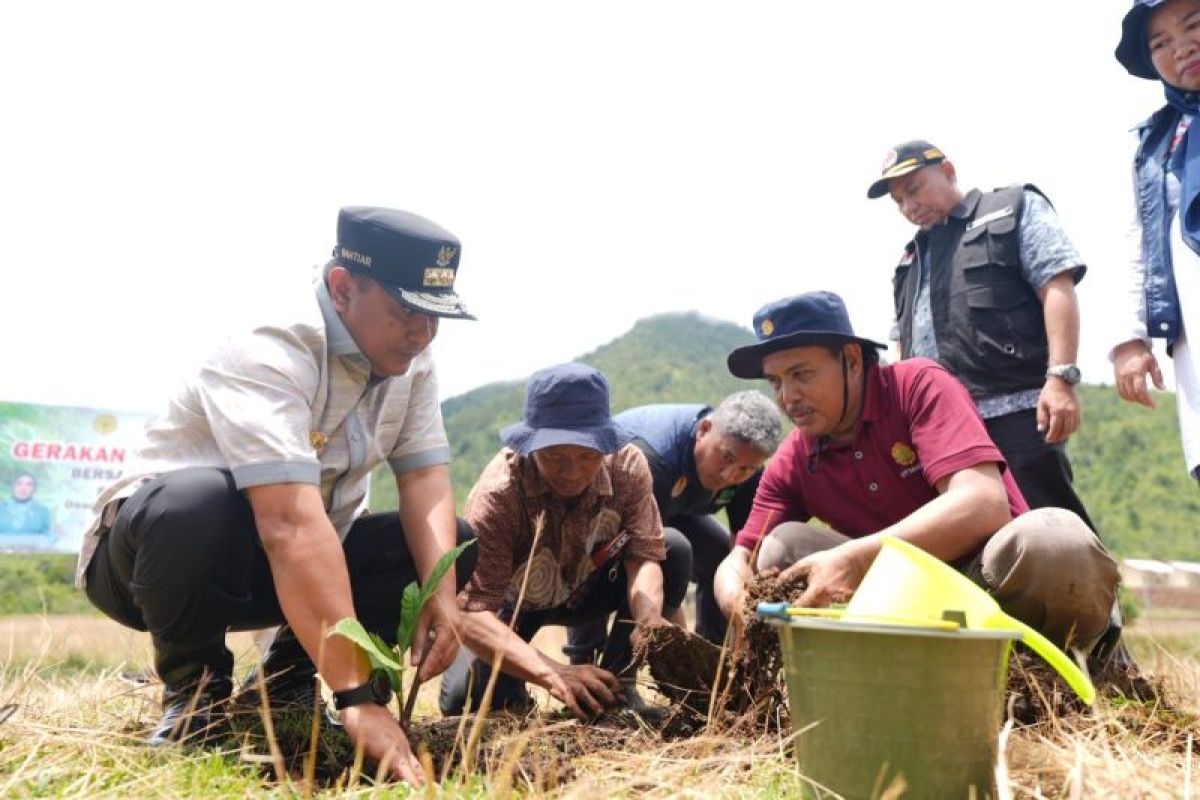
x,y
248,509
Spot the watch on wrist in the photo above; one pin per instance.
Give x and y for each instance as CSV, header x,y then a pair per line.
x,y
377,689
1066,372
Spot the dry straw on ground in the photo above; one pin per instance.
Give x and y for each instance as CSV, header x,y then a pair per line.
x,y
79,721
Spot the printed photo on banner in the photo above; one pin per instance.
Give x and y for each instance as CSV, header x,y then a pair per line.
x,y
54,461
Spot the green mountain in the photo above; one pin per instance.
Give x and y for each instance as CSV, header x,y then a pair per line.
x,y
1127,460
670,358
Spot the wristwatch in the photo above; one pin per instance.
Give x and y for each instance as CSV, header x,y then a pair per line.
x,y
1067,372
377,689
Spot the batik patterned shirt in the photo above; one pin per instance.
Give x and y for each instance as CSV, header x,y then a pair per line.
x,y
511,501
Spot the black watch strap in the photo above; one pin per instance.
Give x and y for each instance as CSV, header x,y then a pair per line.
x,y
377,689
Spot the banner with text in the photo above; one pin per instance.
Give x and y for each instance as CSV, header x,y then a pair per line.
x,y
54,462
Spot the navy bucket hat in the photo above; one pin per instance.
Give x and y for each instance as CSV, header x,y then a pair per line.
x,y
565,404
800,321
1132,51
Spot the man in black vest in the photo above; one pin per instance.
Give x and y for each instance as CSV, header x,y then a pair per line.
x,y
987,288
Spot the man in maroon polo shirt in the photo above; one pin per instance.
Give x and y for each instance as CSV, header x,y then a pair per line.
x,y
898,450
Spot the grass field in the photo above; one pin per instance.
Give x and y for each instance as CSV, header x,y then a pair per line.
x,y
76,718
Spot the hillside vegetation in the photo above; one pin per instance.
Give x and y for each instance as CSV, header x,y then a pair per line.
x,y
1128,464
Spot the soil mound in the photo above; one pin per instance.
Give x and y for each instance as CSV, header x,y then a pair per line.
x,y
752,692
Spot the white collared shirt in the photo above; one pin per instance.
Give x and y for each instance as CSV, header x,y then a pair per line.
x,y
292,401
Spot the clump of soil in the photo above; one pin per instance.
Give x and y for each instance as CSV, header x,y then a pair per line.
x,y
760,689
752,690
683,665
540,750
1037,694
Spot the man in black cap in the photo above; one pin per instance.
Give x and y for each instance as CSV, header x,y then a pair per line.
x,y
247,509
987,289
898,450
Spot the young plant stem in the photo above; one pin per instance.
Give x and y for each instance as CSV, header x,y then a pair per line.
x,y
407,711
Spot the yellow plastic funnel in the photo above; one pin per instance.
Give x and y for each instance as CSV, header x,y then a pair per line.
x,y
905,582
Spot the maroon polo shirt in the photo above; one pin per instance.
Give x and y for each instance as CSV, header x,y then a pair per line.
x,y
918,426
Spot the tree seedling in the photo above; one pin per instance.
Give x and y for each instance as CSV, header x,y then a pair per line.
x,y
390,658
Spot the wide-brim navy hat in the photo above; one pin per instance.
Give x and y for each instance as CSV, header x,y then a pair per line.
x,y
800,321
902,159
565,404
414,259
1133,51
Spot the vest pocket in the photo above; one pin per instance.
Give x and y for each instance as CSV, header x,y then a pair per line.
x,y
1004,320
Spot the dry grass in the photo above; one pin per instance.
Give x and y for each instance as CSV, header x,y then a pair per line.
x,y
78,724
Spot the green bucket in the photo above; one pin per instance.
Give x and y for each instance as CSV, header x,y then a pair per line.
x,y
873,704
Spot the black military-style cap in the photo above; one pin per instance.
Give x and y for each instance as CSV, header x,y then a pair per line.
x,y
415,259
903,159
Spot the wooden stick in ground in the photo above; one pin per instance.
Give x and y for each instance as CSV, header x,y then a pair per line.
x,y
485,703
406,712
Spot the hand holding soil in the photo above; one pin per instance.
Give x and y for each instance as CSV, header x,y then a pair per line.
x,y
584,689
831,576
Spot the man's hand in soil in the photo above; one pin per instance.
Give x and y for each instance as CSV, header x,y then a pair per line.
x,y
437,629
831,575
373,728
584,689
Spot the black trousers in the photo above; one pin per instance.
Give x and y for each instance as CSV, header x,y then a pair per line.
x,y
1041,470
710,544
609,593
183,561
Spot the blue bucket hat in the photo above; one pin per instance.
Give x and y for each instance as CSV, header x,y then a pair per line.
x,y
800,321
1132,51
565,404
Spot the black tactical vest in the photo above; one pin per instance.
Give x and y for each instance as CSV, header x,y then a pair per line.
x,y
987,319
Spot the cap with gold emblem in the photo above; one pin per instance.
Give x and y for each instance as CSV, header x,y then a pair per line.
x,y
806,319
415,259
903,159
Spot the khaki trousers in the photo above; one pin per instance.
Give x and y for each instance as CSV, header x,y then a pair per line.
x,y
1046,568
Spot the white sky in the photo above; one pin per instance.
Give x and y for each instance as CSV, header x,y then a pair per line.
x,y
166,168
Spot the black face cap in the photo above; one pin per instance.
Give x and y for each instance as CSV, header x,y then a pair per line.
x,y
903,159
415,259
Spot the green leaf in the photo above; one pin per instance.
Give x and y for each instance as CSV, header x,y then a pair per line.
x,y
415,597
439,571
377,650
410,610
395,673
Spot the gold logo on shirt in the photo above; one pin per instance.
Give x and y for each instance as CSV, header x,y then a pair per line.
x,y
439,276
318,441
446,255
903,454
680,486
768,327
